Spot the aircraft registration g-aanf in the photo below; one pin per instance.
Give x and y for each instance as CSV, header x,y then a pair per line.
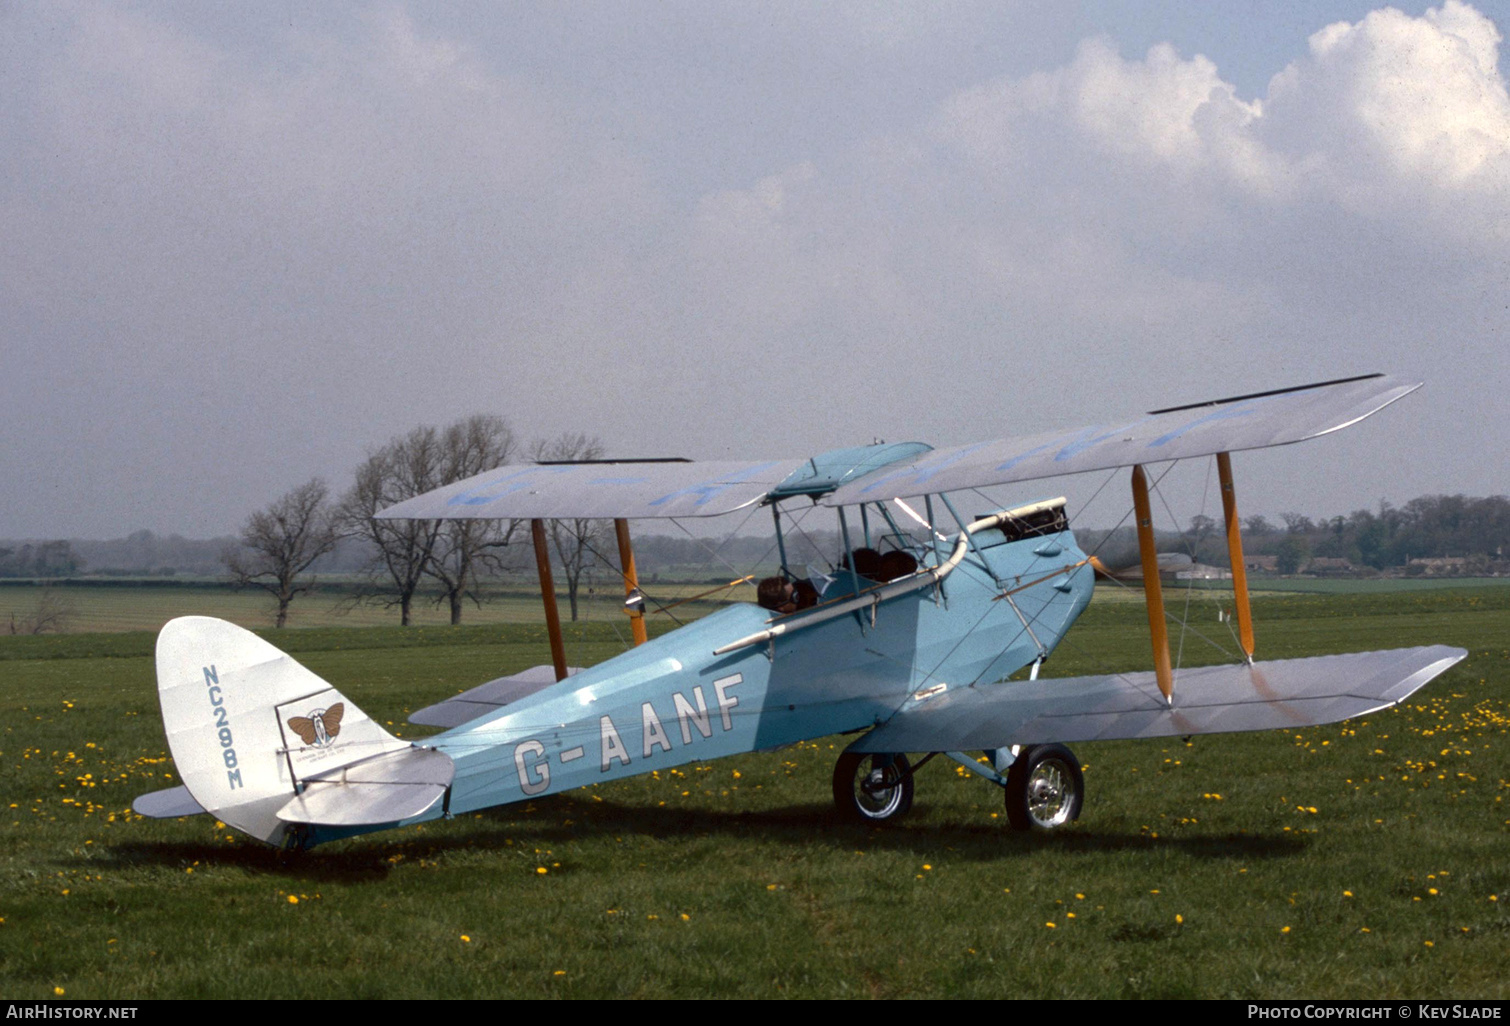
x,y
908,644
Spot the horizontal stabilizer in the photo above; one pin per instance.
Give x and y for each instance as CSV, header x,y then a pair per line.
x,y
383,789
484,698
1207,700
167,804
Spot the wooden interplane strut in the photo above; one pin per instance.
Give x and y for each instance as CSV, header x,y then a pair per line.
x,y
548,596
631,580
1235,554
1153,591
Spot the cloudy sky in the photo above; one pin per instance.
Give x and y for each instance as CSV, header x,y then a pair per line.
x,y
241,244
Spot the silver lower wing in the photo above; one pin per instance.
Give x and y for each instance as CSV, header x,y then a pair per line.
x,y
1208,700
485,698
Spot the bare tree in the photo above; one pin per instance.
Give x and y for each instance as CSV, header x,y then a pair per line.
x,y
51,613
407,466
575,540
464,548
1296,523
1201,528
279,544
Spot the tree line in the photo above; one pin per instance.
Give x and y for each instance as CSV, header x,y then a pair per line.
x,y
1428,527
1386,539
43,559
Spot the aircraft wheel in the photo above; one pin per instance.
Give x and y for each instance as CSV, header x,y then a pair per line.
x,y
1045,788
871,788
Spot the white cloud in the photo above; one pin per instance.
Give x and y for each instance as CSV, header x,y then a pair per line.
x,y
1398,104
1152,108
1395,110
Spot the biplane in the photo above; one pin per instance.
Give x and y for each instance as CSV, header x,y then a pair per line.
x,y
923,638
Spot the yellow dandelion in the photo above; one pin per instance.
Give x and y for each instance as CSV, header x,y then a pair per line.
x,y
465,939
559,972
686,917
1285,929
58,991
1429,944
1179,919
1049,925
541,870
293,899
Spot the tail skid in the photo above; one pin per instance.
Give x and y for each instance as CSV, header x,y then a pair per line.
x,y
264,744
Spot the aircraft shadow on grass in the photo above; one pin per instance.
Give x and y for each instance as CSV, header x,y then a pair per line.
x,y
546,823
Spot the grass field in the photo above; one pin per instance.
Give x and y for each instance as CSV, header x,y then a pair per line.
x,y
145,606
1361,859
1372,585
102,607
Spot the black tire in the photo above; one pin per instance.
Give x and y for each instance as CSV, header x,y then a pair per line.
x,y
872,788
1045,788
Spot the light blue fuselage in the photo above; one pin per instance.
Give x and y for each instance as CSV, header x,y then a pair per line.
x,y
672,701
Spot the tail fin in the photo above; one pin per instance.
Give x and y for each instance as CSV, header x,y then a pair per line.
x,y
261,742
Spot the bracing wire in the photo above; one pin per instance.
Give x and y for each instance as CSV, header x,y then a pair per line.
x,y
1184,624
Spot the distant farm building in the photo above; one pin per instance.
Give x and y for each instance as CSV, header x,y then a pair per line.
x,y
1175,566
1438,565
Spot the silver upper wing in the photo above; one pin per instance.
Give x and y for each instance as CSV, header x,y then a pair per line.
x,y
629,490
656,489
1224,425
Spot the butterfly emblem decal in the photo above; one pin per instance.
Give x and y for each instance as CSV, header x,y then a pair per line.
x,y
320,727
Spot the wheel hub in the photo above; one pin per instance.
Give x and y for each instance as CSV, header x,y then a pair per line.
x,y
880,792
1048,795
